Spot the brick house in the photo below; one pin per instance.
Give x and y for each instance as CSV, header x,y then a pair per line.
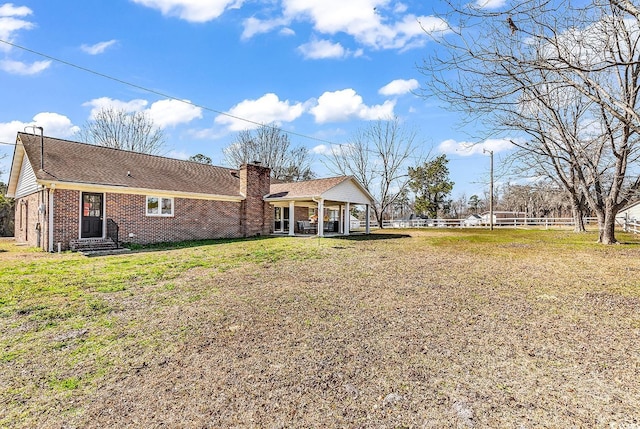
x,y
70,194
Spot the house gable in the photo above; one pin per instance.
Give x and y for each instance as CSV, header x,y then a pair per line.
x,y
348,191
27,183
16,168
632,211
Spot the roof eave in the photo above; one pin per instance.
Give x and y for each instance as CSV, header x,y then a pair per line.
x,y
16,168
298,198
56,184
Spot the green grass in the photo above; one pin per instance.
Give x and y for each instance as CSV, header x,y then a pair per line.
x,y
74,321
46,296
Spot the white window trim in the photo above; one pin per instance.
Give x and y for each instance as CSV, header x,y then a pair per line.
x,y
159,214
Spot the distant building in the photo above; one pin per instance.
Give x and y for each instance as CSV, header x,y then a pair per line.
x,y
503,217
473,220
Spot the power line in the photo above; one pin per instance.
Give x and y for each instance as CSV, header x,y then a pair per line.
x,y
158,93
165,95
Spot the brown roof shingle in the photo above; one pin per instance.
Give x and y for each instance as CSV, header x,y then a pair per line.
x,y
306,189
67,161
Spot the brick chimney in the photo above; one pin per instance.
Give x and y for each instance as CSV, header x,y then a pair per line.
x,y
257,214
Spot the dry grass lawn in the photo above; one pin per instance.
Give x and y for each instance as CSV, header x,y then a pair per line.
x,y
406,329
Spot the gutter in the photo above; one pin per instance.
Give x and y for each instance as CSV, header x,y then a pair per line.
x,y
88,187
50,228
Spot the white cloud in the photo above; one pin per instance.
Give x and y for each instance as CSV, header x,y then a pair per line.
x,y
98,48
8,130
468,148
97,104
329,150
490,4
322,49
178,154
253,26
368,21
399,87
192,10
347,104
164,113
321,149
167,113
373,23
265,110
8,9
53,124
10,23
18,67
400,8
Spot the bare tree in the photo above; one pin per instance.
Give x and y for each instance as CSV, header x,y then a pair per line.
x,y
539,200
119,129
272,147
459,206
564,79
377,157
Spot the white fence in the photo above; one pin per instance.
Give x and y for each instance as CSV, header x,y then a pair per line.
x,y
466,223
632,226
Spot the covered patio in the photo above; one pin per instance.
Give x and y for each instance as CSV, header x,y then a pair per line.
x,y
321,207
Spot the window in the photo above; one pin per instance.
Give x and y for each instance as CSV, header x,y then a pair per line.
x,y
159,206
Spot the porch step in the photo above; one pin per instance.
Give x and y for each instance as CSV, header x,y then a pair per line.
x,y
92,244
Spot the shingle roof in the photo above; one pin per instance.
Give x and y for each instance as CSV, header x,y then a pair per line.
x,y
67,161
306,189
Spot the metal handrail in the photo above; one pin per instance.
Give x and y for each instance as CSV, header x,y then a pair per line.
x,y
113,231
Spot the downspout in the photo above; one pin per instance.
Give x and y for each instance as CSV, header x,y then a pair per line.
x,y
50,227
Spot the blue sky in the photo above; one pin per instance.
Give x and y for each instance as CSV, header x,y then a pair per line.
x,y
318,68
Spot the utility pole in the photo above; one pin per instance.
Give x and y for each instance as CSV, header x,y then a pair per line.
x,y
490,190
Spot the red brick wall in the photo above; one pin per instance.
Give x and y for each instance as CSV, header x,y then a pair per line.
x,y
66,214
301,213
193,219
27,217
257,216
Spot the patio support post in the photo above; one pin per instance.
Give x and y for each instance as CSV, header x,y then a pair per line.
x,y
321,218
347,219
292,207
366,220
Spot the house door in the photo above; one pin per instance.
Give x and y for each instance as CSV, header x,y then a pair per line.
x,y
91,215
281,219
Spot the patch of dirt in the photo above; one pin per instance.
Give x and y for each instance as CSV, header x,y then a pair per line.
x,y
387,333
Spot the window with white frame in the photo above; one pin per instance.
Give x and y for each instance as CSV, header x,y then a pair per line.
x,y
159,206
